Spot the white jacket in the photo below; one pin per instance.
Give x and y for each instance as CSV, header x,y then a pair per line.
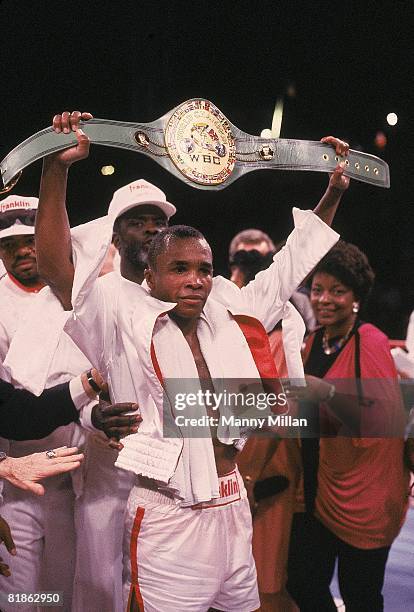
x,y
115,320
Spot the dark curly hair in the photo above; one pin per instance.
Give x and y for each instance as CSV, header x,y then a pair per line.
x,y
350,265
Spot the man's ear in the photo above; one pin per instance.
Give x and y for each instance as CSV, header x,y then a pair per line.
x,y
149,277
116,241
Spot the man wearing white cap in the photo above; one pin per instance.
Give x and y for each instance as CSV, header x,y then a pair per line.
x,y
188,523
17,251
44,527
141,211
137,212
60,359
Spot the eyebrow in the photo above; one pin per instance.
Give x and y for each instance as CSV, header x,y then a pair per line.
x,y
186,262
10,239
149,216
333,286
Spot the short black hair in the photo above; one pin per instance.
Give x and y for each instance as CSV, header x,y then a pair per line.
x,y
161,241
349,265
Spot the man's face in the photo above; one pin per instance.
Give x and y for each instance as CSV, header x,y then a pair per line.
x,y
183,274
19,257
136,229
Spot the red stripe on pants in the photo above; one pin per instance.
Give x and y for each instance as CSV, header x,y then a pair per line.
x,y
133,551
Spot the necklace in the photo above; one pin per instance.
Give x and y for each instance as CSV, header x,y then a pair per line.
x,y
337,345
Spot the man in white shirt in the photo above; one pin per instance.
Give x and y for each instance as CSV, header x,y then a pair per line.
x,y
98,586
188,527
44,527
44,531
103,490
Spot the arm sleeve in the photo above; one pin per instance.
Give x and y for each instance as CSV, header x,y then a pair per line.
x,y
78,394
409,341
4,343
384,416
306,245
93,302
89,325
83,403
23,416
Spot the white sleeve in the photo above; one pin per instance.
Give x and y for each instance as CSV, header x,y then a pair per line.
x,y
4,343
91,319
85,417
310,240
78,394
409,341
83,403
88,325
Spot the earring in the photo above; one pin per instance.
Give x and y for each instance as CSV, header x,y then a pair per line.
x,y
355,307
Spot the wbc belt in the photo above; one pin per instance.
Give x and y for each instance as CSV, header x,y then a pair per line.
x,y
200,146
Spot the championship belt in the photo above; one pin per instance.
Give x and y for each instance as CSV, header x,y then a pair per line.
x,y
200,146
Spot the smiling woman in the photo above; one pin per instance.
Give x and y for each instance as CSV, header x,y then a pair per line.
x,y
354,481
340,285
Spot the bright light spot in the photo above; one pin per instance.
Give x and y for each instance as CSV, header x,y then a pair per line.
x,y
266,133
392,119
107,170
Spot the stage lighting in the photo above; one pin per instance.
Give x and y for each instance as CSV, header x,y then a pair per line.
x,y
107,170
392,119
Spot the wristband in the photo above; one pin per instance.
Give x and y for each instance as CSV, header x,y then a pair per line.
x,y
92,382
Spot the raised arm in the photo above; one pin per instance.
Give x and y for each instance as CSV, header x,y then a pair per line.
x,y
338,183
53,240
307,244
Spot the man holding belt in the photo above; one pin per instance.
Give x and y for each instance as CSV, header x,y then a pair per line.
x,y
186,325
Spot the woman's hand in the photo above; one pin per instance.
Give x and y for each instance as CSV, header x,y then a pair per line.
x,y
316,390
25,472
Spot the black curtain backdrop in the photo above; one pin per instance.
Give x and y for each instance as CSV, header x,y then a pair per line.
x,y
348,66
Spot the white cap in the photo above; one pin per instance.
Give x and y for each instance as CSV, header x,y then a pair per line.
x,y
19,204
138,193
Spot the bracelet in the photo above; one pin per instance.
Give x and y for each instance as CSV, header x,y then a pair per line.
x,y
331,393
92,382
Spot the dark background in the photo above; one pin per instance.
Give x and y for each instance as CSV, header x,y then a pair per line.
x,y
350,64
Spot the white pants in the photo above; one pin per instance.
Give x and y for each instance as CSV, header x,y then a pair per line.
x,y
189,559
100,517
43,531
